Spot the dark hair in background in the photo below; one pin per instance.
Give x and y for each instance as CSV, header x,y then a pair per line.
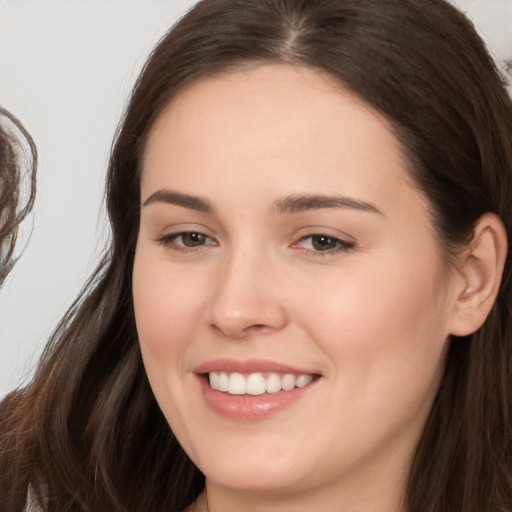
x,y
87,433
16,146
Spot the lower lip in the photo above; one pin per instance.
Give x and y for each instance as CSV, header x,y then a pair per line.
x,y
249,407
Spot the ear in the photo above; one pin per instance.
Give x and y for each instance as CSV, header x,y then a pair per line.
x,y
478,275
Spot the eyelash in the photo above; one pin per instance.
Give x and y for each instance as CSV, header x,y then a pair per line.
x,y
340,245
169,241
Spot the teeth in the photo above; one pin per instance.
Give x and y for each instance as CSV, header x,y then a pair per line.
x,y
256,383
223,381
236,384
273,383
214,380
303,380
288,382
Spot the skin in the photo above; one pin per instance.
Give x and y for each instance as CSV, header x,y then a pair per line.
x,y
372,319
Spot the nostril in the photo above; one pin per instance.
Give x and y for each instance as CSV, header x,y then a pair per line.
x,y
257,327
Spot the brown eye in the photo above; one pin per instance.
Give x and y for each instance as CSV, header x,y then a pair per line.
x,y
324,243
191,239
185,240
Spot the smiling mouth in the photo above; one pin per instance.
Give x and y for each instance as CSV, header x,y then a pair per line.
x,y
257,383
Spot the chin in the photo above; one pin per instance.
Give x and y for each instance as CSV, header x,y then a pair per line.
x,y
254,469
254,477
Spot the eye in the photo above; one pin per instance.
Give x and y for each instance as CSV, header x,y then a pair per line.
x,y
322,243
185,240
190,239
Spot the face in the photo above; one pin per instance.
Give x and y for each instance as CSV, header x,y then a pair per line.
x,y
287,284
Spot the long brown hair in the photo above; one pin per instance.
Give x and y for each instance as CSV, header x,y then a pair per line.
x,y
87,434
18,164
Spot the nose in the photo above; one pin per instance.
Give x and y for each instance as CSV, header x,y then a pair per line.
x,y
247,299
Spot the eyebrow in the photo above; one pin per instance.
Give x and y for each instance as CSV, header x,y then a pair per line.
x,y
302,203
179,199
286,205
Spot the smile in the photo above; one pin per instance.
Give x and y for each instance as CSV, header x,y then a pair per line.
x,y
256,383
254,389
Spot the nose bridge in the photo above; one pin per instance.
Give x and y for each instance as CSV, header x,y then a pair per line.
x,y
246,298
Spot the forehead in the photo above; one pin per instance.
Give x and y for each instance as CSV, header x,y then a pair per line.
x,y
253,93
268,123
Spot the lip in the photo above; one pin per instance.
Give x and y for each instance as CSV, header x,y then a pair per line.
x,y
248,366
246,407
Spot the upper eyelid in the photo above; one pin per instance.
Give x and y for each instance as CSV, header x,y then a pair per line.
x,y
303,233
341,238
170,243
177,234
330,232
343,241
175,229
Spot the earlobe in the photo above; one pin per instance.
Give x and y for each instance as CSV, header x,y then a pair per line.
x,y
479,275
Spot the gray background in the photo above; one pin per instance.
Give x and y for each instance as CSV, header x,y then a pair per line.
x,y
66,68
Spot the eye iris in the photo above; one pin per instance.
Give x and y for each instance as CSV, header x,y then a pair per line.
x,y
193,239
323,243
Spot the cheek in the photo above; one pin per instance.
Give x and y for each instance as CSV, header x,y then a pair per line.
x,y
167,309
381,329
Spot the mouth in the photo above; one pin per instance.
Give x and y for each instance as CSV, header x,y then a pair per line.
x,y
254,389
259,383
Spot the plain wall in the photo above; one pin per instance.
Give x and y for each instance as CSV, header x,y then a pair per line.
x,y
66,68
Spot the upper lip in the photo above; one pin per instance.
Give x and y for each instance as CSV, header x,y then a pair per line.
x,y
248,366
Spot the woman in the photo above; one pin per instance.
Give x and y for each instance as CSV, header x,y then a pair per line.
x,y
306,303
15,203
